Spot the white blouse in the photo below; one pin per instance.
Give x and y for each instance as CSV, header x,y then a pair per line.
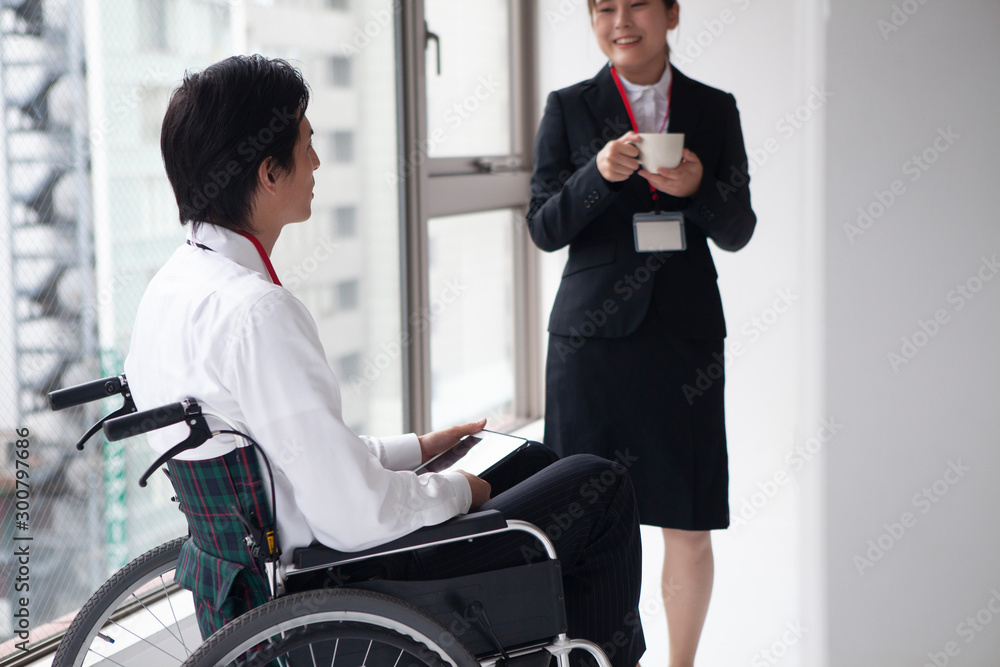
x,y
649,103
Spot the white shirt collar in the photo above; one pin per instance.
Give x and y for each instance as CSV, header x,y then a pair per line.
x,y
230,245
634,90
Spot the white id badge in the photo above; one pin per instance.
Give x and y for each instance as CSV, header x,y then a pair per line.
x,y
658,232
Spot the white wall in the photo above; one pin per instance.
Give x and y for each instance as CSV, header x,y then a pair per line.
x,y
895,93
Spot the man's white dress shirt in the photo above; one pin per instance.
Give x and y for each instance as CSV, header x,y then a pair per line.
x,y
213,326
649,103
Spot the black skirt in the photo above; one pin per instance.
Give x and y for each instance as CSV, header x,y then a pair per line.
x,y
655,404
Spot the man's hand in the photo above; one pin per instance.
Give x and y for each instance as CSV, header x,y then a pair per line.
x,y
436,442
619,158
682,181
480,489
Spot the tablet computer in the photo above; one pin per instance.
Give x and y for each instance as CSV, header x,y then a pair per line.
x,y
478,453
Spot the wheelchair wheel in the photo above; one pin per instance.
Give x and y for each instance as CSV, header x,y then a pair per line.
x,y
135,595
337,627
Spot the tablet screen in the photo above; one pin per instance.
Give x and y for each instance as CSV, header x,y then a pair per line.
x,y
474,453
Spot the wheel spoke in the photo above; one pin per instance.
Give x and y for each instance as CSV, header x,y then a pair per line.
x,y
144,640
173,612
104,657
162,624
132,590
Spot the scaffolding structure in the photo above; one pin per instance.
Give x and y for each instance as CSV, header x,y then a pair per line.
x,y
49,267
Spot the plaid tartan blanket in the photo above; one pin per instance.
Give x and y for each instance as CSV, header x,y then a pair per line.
x,y
216,564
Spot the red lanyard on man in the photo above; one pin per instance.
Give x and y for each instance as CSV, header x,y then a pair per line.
x,y
260,251
263,256
631,116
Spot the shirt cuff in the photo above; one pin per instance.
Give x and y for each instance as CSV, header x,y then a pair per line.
x,y
462,490
402,452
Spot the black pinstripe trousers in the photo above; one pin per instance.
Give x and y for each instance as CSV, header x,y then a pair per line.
x,y
586,505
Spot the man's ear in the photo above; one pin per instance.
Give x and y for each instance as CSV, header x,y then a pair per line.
x,y
267,176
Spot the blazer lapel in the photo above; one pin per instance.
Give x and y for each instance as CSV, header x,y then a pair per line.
x,y
685,105
602,99
611,118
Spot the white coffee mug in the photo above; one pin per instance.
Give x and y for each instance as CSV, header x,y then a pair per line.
x,y
660,150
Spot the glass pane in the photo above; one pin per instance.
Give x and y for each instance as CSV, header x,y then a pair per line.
x,y
345,259
472,318
469,102
87,217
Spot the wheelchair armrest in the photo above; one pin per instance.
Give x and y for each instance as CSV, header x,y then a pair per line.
x,y
466,525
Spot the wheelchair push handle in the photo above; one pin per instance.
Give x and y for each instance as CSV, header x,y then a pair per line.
x,y
138,423
93,391
86,392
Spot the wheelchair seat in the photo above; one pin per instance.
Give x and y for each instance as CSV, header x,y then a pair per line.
x,y
466,525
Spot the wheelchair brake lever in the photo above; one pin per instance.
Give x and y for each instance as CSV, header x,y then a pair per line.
x,y
126,409
200,434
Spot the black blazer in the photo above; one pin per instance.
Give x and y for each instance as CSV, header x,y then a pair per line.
x,y
607,287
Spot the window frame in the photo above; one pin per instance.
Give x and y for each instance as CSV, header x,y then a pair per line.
x,y
438,187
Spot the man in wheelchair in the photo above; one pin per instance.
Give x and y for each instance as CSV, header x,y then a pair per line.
x,y
216,324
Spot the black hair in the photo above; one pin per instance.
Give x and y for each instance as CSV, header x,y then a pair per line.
x,y
591,4
220,125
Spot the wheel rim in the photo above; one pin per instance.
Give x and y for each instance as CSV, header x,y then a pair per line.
x,y
135,618
327,620
138,607
344,643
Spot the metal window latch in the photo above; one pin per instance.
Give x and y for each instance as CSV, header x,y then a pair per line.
x,y
431,36
493,165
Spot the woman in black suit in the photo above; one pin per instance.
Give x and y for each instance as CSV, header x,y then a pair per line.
x,y
635,369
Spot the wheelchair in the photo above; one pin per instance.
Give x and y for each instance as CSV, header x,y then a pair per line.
x,y
511,617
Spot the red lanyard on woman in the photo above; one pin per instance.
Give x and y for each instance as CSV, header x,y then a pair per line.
x,y
631,116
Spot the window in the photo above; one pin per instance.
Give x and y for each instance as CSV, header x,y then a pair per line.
x,y
152,105
472,317
67,318
343,147
346,295
344,221
340,71
152,33
347,366
473,122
